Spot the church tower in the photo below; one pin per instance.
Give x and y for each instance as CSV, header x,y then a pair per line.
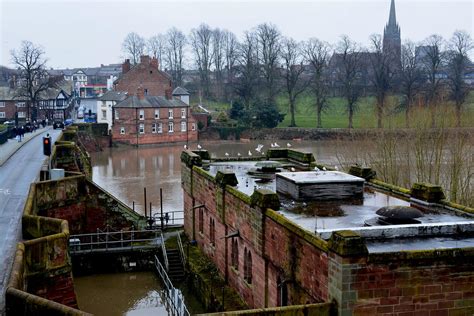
x,y
392,43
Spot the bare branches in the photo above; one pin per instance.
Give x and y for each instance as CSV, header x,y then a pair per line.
x,y
269,46
156,47
133,46
174,54
201,38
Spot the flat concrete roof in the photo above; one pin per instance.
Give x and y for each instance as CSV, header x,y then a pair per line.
x,y
319,177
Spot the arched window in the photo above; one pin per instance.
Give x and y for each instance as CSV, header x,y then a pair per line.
x,y
235,255
201,220
247,266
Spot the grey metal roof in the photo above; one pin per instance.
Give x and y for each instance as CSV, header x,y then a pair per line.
x,y
150,102
114,96
180,91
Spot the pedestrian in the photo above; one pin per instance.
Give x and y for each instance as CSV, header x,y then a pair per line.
x,y
22,132
167,218
46,121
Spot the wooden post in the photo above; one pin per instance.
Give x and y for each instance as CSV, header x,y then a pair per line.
x,y
144,193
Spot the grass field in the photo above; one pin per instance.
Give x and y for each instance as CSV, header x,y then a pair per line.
x,y
336,115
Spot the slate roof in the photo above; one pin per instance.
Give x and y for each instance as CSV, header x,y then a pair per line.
x,y
180,91
150,102
114,96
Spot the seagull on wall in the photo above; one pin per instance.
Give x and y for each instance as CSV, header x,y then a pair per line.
x,y
259,148
238,154
186,147
276,145
250,153
199,146
288,145
227,154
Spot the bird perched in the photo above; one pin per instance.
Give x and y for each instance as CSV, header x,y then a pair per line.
x,y
259,148
250,153
292,169
288,145
324,168
276,145
199,146
185,146
227,154
238,154
272,146
316,169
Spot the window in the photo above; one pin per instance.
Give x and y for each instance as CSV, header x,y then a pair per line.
x,y
193,126
247,266
141,129
122,130
142,114
116,114
153,128
170,114
234,256
157,114
20,104
170,127
160,128
212,231
104,114
2,104
2,114
22,114
183,126
103,104
183,113
146,91
201,220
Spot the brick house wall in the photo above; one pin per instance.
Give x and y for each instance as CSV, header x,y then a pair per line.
x,y
127,119
408,283
8,108
146,75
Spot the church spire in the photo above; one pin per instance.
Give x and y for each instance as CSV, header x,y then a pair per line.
x,y
392,20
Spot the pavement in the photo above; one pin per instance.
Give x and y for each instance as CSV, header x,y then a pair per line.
x,y
20,164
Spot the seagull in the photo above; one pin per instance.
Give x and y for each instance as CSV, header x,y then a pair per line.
x,y
288,145
250,153
276,145
185,146
199,146
336,168
324,168
238,154
292,169
272,146
316,169
227,154
263,153
259,147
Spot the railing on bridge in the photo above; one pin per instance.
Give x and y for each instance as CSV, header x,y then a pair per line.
x,y
173,297
114,241
169,219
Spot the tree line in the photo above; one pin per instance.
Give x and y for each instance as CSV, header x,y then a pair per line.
x,y
251,71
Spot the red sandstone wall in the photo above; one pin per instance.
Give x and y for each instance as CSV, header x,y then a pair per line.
x,y
420,289
58,288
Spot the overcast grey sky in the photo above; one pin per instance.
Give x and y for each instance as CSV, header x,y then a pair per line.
x,y
90,33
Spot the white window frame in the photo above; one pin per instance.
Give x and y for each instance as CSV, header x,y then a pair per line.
x,y
170,127
141,128
2,114
141,115
160,128
21,104
153,128
116,114
183,113
157,114
104,114
170,114
122,130
104,104
183,126
21,114
2,104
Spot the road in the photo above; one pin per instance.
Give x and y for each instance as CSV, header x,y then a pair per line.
x,y
16,175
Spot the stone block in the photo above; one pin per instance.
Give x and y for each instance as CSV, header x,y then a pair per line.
x,y
427,192
363,172
225,177
347,243
265,199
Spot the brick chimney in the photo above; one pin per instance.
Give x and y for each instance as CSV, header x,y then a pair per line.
x,y
168,94
154,63
145,59
140,93
126,66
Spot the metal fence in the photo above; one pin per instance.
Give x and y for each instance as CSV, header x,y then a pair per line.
x,y
174,299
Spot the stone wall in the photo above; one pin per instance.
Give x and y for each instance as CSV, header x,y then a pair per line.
x,y
312,270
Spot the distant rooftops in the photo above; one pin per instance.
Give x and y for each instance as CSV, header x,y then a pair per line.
x,y
150,102
180,91
114,96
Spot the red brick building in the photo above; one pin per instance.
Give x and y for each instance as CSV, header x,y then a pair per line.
x,y
145,75
142,119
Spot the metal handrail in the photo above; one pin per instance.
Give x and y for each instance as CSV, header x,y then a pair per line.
x,y
173,295
181,250
165,256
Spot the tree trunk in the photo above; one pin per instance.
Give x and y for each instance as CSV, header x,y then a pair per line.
x,y
407,115
319,110
351,114
379,112
292,112
458,114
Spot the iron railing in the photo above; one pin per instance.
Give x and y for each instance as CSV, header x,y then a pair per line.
x,y
181,250
165,255
173,297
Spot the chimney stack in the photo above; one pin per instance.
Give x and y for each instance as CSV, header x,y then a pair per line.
x,y
145,59
126,66
140,93
168,94
154,63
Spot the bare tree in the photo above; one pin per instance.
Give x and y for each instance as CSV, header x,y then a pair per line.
x,y
268,37
247,79
33,77
458,58
156,47
201,41
218,46
174,54
293,74
432,59
317,54
381,75
133,46
230,54
411,78
348,72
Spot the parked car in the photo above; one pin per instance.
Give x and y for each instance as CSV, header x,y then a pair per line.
x,y
68,122
58,124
